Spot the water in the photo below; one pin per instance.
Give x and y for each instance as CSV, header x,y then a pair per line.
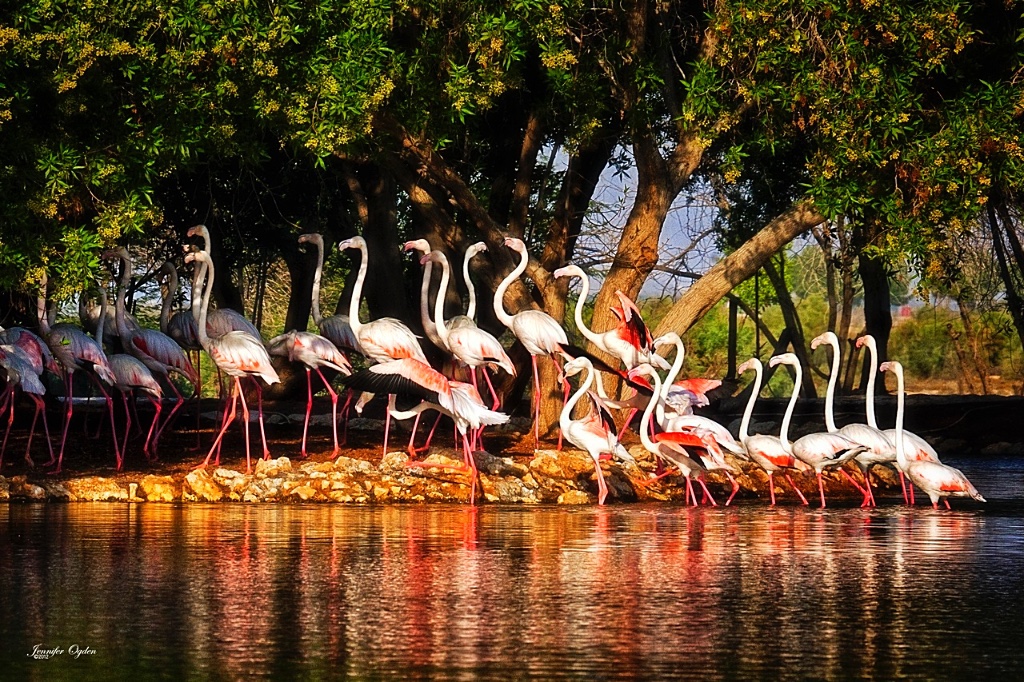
x,y
414,592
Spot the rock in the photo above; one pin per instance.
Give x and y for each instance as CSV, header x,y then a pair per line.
x,y
304,493
235,482
199,486
1002,449
507,490
567,465
498,466
95,488
575,497
5,490
56,491
20,488
160,488
272,468
396,460
361,465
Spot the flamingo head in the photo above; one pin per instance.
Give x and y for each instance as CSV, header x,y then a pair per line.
x,y
891,366
198,231
828,337
352,243
575,366
474,249
569,271
866,340
312,238
752,363
643,369
784,359
114,254
515,244
666,339
421,245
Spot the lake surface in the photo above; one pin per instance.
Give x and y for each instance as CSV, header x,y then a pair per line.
x,y
415,592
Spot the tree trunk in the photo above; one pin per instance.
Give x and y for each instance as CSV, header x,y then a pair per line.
x,y
796,330
1011,276
738,266
877,312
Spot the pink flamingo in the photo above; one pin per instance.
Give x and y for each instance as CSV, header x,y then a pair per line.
x,y
222,320
385,338
671,449
335,328
21,374
630,341
181,326
820,451
313,352
74,350
411,378
589,433
916,447
33,349
539,333
237,354
938,480
157,351
764,450
879,448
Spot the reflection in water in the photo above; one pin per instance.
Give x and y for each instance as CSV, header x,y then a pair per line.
x,y
396,592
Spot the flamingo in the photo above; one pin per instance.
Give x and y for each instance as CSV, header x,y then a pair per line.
x,y
938,480
539,333
630,342
22,374
879,448
157,351
764,450
469,344
313,351
458,400
181,326
916,448
335,328
670,447
385,338
222,320
130,374
820,451
74,350
33,349
237,354
680,421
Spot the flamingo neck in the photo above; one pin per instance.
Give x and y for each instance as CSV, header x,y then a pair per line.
x,y
102,323
44,323
748,411
677,366
317,317
830,392
869,395
206,283
172,289
499,293
587,333
471,308
442,292
119,303
357,292
645,421
565,419
784,431
901,454
429,328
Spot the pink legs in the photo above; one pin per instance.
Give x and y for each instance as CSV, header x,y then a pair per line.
x,y
334,408
309,408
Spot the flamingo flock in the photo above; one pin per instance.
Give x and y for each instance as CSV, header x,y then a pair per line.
x,y
683,443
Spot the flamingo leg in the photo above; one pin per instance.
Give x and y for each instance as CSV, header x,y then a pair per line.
x,y
10,422
245,420
625,424
471,463
496,405
67,421
259,403
945,501
387,424
198,396
707,493
32,430
602,487
430,436
344,415
127,426
796,490
853,482
179,400
735,488
158,406
771,487
334,409
46,430
821,488
229,416
309,408
565,392
536,403
869,497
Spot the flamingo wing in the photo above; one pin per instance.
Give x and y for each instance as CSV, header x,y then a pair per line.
x,y
405,377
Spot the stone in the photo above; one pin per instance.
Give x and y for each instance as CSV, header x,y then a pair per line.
x,y
1002,449
272,468
96,489
498,466
304,493
566,465
160,488
199,486
234,481
20,488
5,490
356,465
56,491
396,460
575,497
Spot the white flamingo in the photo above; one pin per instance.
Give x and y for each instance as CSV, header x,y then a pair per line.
x,y
938,480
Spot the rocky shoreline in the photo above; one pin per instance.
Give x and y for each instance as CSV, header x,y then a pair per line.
x,y
551,477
